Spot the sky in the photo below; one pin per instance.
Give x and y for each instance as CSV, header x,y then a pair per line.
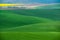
x,y
29,1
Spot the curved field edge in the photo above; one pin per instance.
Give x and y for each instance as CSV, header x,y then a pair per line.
x,y
48,13
13,20
39,27
30,35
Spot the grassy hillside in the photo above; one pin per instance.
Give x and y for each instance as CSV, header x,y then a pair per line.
x,y
39,27
30,35
12,20
53,14
30,24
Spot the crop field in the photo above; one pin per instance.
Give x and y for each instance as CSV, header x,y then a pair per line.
x,y
30,24
30,36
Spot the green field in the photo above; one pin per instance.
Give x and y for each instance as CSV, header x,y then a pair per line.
x,y
53,14
30,36
38,24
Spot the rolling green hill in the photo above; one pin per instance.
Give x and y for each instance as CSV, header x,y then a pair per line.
x,y
16,18
39,27
30,24
12,20
53,14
